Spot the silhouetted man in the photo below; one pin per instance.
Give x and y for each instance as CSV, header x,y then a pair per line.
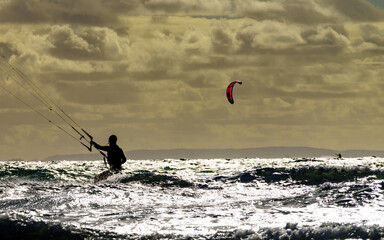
x,y
115,155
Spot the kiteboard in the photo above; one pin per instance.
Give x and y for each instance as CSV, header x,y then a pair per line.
x,y
102,176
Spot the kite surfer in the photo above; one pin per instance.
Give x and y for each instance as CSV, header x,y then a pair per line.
x,y
115,158
338,156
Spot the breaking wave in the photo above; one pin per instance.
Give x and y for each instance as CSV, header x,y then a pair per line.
x,y
292,231
19,229
311,175
13,173
157,179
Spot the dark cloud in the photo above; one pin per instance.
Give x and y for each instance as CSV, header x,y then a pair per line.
x,y
99,12
372,34
107,13
298,11
160,20
6,49
311,12
357,10
166,6
71,11
188,7
371,42
78,12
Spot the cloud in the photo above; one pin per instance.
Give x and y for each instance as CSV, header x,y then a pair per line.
x,y
104,12
267,35
195,42
282,38
325,36
222,38
109,13
206,79
106,92
87,43
371,42
372,34
311,12
72,11
192,7
6,49
306,66
297,11
357,10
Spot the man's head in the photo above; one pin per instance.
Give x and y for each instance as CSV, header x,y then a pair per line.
x,y
112,140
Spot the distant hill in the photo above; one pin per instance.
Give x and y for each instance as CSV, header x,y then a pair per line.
x,y
265,152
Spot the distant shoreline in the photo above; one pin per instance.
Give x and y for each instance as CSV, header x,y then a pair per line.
x,y
263,152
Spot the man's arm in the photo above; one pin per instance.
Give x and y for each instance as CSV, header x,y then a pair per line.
x,y
123,158
104,148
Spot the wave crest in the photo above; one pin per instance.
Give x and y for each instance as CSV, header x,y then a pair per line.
x,y
311,175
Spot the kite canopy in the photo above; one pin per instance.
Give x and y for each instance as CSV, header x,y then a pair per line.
x,y
230,90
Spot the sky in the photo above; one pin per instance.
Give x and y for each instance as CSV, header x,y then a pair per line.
x,y
154,73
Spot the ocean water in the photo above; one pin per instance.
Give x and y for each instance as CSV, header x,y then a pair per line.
x,y
322,198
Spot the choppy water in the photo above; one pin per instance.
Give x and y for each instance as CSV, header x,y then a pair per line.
x,y
286,198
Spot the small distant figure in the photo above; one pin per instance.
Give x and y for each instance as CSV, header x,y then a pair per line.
x,y
115,157
339,156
